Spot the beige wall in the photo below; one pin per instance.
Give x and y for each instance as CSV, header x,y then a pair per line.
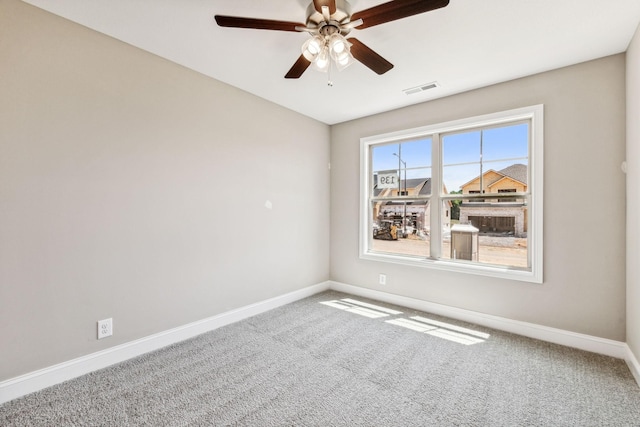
x,y
133,188
584,255
633,195
113,163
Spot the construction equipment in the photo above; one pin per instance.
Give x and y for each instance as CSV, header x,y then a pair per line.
x,y
387,230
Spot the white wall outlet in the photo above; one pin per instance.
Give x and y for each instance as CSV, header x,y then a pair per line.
x,y
105,328
382,279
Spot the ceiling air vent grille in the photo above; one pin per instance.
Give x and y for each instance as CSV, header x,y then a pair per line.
x,y
421,88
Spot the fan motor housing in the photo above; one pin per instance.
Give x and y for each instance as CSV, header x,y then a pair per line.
x,y
341,16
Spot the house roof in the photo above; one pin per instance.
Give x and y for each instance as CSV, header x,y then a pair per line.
x,y
517,172
423,184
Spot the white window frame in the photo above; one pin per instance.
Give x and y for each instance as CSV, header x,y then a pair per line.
x,y
534,114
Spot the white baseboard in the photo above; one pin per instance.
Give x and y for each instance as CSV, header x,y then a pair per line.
x,y
633,364
590,343
43,378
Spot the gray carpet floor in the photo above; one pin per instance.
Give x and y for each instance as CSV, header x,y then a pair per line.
x,y
334,360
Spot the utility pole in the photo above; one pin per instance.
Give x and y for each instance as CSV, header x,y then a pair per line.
x,y
404,207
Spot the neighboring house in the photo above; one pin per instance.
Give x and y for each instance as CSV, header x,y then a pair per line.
x,y
496,215
417,212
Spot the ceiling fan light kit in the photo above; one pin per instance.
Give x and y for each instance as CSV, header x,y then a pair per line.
x,y
328,22
319,50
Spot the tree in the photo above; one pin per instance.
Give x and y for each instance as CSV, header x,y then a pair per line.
x,y
455,206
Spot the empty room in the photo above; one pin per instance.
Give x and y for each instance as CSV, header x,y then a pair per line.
x,y
327,212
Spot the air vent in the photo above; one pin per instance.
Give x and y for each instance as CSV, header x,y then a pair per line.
x,y
421,88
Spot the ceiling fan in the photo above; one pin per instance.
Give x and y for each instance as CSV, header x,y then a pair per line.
x,y
328,22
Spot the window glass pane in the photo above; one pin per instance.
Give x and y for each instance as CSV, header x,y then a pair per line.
x,y
417,154
471,159
455,177
505,177
460,160
493,232
506,142
463,147
402,169
392,235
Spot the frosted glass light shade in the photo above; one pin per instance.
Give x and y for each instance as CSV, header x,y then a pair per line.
x,y
322,60
312,48
321,50
337,44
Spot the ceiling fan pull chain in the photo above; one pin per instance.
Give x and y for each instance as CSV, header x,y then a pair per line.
x,y
329,82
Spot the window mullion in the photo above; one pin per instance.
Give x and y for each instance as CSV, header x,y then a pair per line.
x,y
435,204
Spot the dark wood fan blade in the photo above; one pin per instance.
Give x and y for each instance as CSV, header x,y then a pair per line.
x,y
393,10
368,57
298,68
256,24
331,4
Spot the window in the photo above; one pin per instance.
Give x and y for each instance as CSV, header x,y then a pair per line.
x,y
462,196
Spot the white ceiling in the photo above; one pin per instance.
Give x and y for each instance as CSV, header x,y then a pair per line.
x,y
466,45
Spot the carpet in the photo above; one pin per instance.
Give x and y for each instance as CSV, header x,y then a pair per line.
x,y
339,360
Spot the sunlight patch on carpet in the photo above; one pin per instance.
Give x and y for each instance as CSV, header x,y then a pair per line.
x,y
443,330
467,331
372,306
420,324
357,309
410,324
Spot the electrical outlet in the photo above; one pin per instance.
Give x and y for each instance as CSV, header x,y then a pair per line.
x,y
105,328
382,279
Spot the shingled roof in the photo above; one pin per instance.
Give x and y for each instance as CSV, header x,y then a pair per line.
x,y
517,172
424,185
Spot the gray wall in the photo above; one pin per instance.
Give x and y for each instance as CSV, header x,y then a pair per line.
x,y
633,195
133,188
584,255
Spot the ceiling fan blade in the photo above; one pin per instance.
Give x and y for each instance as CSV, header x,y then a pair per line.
x,y
298,68
256,24
331,4
393,10
368,57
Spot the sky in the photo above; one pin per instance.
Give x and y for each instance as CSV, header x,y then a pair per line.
x,y
461,152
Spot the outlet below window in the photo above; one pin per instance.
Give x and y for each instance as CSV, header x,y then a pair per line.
x,y
105,328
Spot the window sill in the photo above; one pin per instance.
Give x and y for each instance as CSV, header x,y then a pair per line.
x,y
457,266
